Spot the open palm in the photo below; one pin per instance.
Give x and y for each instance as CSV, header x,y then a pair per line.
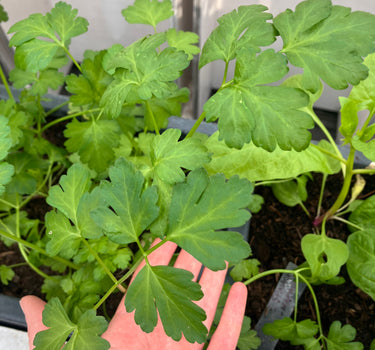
x,y
124,333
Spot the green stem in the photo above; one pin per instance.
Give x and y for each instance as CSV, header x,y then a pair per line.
x,y
103,265
298,275
151,113
367,122
120,281
324,180
72,58
53,110
364,171
196,125
304,208
225,73
328,135
346,185
131,270
26,258
339,158
316,304
28,199
70,116
6,85
37,249
338,218
8,203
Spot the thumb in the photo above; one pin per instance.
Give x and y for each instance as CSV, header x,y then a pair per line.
x,y
33,307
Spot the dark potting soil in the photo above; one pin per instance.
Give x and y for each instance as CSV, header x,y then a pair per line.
x,y
275,237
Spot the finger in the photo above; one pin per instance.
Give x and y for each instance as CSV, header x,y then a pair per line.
x,y
33,307
212,284
188,262
229,328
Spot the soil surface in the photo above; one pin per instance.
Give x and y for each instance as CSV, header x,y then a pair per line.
x,y
275,236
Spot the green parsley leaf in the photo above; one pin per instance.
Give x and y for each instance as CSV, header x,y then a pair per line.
x,y
169,155
291,192
324,255
364,214
332,51
33,51
203,205
289,330
49,78
183,41
248,339
88,88
133,209
149,12
170,292
163,108
277,164
268,116
245,27
64,239
94,141
64,21
3,14
66,196
245,269
35,55
6,274
118,56
341,338
361,260
152,75
6,169
85,333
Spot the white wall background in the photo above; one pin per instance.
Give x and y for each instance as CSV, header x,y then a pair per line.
x,y
107,27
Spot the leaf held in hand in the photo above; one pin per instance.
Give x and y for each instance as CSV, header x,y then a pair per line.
x,y
171,292
85,333
200,207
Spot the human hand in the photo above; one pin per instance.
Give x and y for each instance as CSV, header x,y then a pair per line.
x,y
124,333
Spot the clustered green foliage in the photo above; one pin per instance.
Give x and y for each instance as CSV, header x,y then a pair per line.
x,y
122,179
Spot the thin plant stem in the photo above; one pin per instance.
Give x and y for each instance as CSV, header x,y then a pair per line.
x,y
330,154
6,85
72,58
45,180
225,73
37,248
324,180
329,137
53,110
151,113
366,123
196,125
104,266
120,281
298,275
304,208
363,171
70,116
338,218
346,184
